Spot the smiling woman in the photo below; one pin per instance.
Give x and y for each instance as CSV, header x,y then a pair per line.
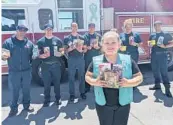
x,y
113,101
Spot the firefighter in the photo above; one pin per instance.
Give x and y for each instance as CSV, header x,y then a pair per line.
x,y
18,51
93,49
50,50
159,42
130,41
74,44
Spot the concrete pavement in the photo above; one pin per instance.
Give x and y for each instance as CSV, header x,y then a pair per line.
x,y
148,108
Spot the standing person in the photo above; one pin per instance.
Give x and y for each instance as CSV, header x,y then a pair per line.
x,y
18,51
74,46
131,40
162,41
51,49
93,49
113,104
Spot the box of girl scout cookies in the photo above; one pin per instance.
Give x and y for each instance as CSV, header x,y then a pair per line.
x,y
160,40
5,52
46,49
93,42
111,74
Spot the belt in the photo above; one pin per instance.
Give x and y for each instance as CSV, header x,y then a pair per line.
x,y
50,63
160,52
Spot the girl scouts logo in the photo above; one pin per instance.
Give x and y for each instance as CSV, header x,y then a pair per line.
x,y
93,10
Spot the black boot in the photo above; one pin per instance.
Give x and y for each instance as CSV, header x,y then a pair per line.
x,y
83,96
156,87
13,112
167,90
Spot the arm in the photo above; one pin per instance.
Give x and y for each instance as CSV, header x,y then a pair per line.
x,y
93,81
169,45
5,55
135,80
89,78
169,38
42,55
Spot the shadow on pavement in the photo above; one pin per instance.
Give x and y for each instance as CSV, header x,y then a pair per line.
x,y
161,98
138,96
50,114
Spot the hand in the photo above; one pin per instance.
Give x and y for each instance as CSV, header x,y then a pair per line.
x,y
89,47
162,46
61,49
71,48
45,55
133,43
100,83
96,46
5,56
150,45
58,54
124,82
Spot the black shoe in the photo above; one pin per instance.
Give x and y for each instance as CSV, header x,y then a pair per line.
x,y
46,104
83,96
156,87
72,97
30,109
58,102
13,113
168,93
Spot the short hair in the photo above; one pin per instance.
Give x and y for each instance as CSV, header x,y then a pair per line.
x,y
128,21
74,23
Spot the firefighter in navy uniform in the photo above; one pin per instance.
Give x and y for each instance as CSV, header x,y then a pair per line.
x,y
50,50
74,44
159,42
93,49
18,51
130,41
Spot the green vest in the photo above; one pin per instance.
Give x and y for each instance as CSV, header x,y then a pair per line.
x,y
125,93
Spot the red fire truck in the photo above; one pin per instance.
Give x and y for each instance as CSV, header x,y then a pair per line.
x,y
106,14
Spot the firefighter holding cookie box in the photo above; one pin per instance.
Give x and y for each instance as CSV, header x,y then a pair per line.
x,y
130,41
50,50
159,42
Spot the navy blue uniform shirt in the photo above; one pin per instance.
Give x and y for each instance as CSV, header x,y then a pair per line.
x,y
51,43
155,36
20,52
70,39
125,41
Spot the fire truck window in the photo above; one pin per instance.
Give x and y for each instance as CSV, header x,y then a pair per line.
x,y
45,17
70,4
68,12
11,18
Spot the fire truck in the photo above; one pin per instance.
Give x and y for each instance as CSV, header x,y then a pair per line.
x,y
106,14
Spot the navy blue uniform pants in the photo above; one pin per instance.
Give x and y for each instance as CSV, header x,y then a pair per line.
x,y
17,81
159,67
51,73
76,64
